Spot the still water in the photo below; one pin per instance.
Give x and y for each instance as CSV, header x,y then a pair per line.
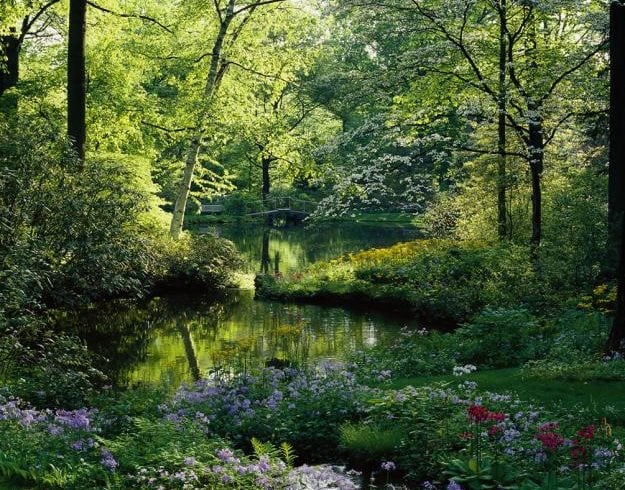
x,y
292,249
176,339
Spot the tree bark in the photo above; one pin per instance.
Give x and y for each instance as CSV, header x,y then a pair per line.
x,y
212,85
9,71
535,141
76,78
616,172
616,341
536,152
502,218
266,188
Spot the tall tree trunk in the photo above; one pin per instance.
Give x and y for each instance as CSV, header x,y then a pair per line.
x,y
616,187
616,340
536,149
76,78
536,144
212,85
9,71
502,221
266,188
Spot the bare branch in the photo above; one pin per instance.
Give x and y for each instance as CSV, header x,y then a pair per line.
x,y
574,68
167,130
130,16
489,152
28,23
257,4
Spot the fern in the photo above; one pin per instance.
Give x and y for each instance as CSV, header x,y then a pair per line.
x,y
288,454
264,449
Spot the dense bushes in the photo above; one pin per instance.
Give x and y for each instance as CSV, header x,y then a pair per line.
x,y
495,339
437,279
199,263
73,234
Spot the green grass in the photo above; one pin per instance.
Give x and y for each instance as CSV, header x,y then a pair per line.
x,y
604,398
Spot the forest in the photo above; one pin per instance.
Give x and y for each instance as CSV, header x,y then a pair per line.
x,y
312,244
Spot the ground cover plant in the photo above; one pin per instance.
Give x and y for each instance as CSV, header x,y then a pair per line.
x,y
441,434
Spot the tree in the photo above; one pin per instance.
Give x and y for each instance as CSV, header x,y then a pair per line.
x,y
228,30
12,40
538,78
76,77
616,341
616,196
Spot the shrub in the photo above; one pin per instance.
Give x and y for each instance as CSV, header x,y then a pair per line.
x,y
305,408
367,445
200,263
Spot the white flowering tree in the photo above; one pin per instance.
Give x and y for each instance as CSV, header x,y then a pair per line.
x,y
524,66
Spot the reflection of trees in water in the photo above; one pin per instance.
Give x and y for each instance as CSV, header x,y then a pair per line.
x,y
179,339
297,246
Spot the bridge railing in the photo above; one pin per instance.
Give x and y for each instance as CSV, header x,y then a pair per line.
x,y
270,204
277,203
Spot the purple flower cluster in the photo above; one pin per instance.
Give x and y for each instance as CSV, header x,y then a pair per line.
x,y
219,406
55,421
107,460
229,469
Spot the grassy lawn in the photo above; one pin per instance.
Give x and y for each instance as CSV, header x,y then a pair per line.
x,y
604,398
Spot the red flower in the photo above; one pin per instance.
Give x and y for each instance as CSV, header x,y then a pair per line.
x,y
478,414
548,427
550,440
493,430
587,432
579,454
497,416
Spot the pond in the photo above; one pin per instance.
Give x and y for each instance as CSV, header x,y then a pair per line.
x,y
172,340
177,339
293,248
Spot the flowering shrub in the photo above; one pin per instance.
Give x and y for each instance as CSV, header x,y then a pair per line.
x,y
67,449
53,446
489,437
305,408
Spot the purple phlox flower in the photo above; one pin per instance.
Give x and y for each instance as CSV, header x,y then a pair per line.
x,y
263,464
388,466
189,461
453,485
107,460
76,419
227,456
55,430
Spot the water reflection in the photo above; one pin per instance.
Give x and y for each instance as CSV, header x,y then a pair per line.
x,y
170,340
271,250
